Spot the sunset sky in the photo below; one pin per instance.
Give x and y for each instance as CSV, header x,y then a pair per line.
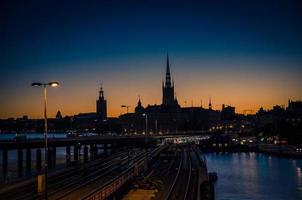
x,y
246,54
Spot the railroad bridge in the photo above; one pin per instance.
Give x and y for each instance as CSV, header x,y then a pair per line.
x,y
88,146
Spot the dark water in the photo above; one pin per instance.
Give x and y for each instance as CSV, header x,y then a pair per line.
x,y
251,176
30,136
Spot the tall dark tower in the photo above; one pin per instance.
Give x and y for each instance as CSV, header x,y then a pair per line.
x,y
210,104
168,88
101,106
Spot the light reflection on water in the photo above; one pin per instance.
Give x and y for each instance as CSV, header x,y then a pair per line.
x,y
251,176
299,177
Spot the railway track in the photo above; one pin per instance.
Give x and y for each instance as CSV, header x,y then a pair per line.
x,y
189,178
121,177
65,180
81,188
178,170
180,186
176,174
95,182
192,192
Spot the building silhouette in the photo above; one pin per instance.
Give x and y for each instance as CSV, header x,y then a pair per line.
x,y
92,121
101,106
227,112
59,115
168,89
169,116
139,108
295,107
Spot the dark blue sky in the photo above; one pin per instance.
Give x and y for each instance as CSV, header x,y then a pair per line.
x,y
42,32
40,39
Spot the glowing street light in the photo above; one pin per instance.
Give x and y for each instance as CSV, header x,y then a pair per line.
x,y
44,85
54,84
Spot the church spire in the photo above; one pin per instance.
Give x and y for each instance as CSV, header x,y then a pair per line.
x,y
168,65
139,100
168,75
210,104
168,87
139,108
101,93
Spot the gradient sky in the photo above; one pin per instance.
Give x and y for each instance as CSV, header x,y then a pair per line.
x,y
242,53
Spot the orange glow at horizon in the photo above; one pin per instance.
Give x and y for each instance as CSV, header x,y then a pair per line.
x,y
78,91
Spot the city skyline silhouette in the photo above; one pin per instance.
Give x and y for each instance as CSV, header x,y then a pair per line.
x,y
242,54
114,107
151,99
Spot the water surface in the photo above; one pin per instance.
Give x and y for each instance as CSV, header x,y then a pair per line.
x,y
251,176
31,136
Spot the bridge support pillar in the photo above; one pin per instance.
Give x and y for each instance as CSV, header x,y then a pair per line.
x,y
49,155
28,159
68,155
20,162
85,154
75,153
39,160
105,149
54,156
93,152
113,148
4,167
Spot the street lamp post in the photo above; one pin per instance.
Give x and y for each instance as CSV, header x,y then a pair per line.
x,y
44,85
146,119
155,126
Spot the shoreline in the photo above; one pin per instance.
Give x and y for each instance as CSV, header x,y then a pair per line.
x,y
281,151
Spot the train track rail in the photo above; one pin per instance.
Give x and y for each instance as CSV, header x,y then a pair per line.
x,y
189,178
85,184
112,172
64,180
121,177
176,179
182,187
180,168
